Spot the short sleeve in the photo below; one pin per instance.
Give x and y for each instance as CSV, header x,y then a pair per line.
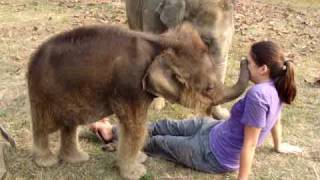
x,y
255,110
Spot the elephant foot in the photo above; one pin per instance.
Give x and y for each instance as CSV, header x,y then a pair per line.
x,y
45,160
220,113
158,103
132,171
75,156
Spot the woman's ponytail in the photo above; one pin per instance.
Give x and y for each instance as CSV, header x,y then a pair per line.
x,y
285,83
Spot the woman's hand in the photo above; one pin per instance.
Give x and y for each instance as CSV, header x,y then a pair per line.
x,y
280,147
286,148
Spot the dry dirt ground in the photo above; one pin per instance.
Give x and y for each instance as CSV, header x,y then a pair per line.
x,y
24,24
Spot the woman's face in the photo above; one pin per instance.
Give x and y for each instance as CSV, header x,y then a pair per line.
x,y
253,69
258,74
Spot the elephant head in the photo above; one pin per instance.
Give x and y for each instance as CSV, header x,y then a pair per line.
x,y
185,73
212,19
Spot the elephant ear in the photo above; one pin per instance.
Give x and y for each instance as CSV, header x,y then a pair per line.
x,y
171,12
163,78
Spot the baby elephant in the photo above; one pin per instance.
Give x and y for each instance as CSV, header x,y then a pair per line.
x,y
82,75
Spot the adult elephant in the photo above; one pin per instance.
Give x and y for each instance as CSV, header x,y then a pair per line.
x,y
212,18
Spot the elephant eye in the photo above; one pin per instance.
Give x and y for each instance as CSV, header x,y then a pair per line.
x,y
207,40
179,78
210,87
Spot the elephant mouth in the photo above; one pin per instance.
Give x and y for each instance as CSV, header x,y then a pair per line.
x,y
195,100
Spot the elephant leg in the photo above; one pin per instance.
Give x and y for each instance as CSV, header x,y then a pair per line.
x,y
131,140
152,23
40,122
41,152
219,112
133,10
69,150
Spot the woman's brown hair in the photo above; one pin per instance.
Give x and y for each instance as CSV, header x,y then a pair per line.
x,y
281,71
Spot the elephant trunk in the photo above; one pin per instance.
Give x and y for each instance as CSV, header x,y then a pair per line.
x,y
231,93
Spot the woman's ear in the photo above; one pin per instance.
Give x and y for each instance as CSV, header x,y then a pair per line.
x,y
162,77
171,12
264,69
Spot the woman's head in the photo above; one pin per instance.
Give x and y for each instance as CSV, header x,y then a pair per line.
x,y
268,56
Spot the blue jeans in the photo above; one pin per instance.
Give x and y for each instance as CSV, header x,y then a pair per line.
x,y
184,142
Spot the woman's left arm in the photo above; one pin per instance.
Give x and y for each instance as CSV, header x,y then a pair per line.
x,y
251,135
277,141
276,133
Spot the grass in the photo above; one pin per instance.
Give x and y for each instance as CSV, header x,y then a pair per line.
x,y
24,24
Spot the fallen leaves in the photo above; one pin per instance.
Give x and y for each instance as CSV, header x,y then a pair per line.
x,y
298,30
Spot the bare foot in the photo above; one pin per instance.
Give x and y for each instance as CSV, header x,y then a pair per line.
x,y
102,129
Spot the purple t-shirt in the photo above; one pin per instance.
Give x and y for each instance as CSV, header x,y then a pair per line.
x,y
259,108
